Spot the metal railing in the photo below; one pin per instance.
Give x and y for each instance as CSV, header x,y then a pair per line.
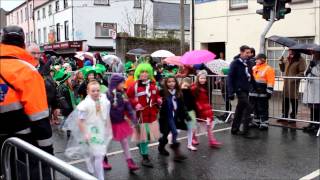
x,y
42,159
219,98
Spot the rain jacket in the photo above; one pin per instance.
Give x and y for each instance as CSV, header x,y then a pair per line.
x,y
23,102
264,76
203,107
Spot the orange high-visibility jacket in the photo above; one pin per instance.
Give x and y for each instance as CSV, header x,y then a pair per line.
x,y
264,76
23,100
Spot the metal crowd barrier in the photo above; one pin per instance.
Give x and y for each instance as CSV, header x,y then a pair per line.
x,y
219,99
42,159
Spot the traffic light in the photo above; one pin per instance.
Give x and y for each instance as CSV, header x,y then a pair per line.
x,y
281,9
268,5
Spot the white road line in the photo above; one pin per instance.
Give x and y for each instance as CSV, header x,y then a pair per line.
x,y
150,145
312,175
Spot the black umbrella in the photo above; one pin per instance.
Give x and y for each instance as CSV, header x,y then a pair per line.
x,y
283,40
306,48
137,52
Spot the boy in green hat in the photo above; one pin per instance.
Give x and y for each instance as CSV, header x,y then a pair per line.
x,y
130,68
89,74
65,95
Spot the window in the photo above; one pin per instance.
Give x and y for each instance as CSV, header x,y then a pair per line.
x,y
17,17
43,13
300,1
31,11
27,38
31,36
66,30
274,52
50,10
39,36
101,2
26,13
38,14
45,35
65,4
137,4
58,31
238,4
57,6
21,16
105,29
140,30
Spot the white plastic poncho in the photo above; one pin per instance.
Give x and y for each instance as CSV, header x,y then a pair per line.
x,y
97,124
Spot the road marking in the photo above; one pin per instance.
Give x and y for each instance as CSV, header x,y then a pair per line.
x,y
312,175
150,145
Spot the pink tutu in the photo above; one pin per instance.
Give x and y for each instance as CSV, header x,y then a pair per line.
x,y
121,130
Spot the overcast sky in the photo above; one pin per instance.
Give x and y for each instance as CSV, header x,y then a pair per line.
x,y
10,4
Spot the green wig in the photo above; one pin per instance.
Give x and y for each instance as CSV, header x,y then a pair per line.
x,y
141,68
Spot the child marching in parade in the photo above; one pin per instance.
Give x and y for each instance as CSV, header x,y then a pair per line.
x,y
91,130
120,106
203,107
172,116
190,104
144,97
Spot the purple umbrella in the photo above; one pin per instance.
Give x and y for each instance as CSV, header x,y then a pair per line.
x,y
197,57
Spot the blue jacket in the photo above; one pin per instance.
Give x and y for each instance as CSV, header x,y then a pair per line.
x,y
238,80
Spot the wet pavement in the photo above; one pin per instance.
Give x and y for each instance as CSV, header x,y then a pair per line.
x,y
279,153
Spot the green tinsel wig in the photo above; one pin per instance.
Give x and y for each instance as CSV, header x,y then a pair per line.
x,y
141,68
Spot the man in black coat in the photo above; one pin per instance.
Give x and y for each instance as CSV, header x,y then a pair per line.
x,y
239,82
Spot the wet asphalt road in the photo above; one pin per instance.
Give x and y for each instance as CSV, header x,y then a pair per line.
x,y
279,153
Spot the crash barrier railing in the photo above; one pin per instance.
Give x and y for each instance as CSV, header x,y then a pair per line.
x,y
296,88
31,158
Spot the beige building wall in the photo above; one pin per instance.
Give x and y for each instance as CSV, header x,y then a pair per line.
x,y
215,22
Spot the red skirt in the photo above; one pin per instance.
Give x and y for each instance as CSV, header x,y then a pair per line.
x,y
121,130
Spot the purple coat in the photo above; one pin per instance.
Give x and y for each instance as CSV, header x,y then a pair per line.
x,y
120,108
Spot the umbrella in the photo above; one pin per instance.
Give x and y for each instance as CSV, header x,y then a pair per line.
x,y
306,48
174,60
137,52
283,40
217,66
197,57
108,59
82,55
162,54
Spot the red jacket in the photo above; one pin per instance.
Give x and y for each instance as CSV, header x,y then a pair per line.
x,y
204,109
150,112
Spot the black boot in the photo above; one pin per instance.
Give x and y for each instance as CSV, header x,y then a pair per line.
x,y
162,150
178,156
146,161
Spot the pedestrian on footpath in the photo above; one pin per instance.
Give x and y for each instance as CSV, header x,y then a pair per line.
x,y
311,95
264,76
292,66
122,130
239,82
24,110
204,110
172,117
91,130
145,98
190,105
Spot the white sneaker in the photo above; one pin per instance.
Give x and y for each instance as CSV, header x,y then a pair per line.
x,y
192,148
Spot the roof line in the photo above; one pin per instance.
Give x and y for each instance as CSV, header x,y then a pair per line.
x,y
17,7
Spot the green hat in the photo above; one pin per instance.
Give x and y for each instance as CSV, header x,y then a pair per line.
x,y
100,69
129,66
61,76
87,70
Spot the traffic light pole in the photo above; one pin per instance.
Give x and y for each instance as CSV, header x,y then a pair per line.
x,y
266,30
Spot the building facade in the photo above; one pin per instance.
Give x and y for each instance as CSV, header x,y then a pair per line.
x,y
23,16
225,25
98,21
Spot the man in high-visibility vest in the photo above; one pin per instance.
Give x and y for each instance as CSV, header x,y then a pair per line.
x,y
264,76
23,101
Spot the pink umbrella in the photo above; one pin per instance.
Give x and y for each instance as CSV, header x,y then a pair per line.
x,y
174,60
197,57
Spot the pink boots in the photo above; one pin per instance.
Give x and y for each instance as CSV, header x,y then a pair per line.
x,y
131,165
